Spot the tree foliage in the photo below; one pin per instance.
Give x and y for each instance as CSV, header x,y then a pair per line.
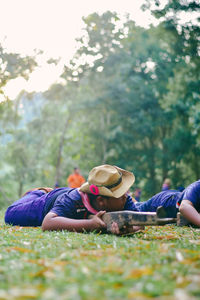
x,y
129,97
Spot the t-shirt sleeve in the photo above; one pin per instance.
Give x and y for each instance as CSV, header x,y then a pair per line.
x,y
130,205
64,207
192,193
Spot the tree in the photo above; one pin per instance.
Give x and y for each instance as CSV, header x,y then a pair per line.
x,y
12,65
182,96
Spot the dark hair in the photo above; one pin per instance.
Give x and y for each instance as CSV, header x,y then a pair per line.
x,y
92,197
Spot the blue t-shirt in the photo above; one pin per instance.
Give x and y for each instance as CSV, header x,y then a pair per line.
x,y
70,205
191,193
172,199
167,199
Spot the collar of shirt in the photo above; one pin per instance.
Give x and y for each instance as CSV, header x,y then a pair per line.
x,y
86,202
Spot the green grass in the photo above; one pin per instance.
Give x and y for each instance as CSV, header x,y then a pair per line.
x,y
161,262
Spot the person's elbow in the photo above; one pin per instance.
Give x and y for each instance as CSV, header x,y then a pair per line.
x,y
182,207
45,226
47,222
185,205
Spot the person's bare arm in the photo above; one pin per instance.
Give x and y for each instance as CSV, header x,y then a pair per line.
x,y
189,212
53,222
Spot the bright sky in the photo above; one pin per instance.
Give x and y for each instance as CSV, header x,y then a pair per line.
x,y
52,26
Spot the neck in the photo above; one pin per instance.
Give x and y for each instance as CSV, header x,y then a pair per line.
x,y
93,202
86,202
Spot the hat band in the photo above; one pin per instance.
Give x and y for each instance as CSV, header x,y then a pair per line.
x,y
112,185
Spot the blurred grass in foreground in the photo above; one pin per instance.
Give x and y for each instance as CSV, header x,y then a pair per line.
x,y
159,262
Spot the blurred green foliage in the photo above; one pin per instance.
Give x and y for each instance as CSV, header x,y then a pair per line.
x,y
129,97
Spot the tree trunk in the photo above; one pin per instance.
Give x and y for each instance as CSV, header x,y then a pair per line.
x,y
152,166
60,149
105,123
196,164
165,167
20,188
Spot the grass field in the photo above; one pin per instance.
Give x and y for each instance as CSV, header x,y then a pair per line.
x,y
160,262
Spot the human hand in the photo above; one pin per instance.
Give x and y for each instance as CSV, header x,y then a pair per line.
x,y
115,228
125,230
97,222
135,229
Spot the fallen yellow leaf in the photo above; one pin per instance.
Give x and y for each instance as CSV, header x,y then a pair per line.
x,y
23,250
138,273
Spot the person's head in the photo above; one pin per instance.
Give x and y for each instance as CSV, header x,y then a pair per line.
x,y
76,170
107,187
167,181
107,203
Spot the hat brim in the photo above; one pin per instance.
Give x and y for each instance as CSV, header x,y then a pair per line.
x,y
128,179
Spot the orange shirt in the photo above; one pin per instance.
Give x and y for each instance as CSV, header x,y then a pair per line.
x,y
75,180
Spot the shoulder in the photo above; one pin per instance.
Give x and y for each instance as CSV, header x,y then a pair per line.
x,y
79,176
192,188
192,193
82,178
69,195
66,204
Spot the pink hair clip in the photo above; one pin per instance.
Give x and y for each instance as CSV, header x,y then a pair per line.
x,y
94,189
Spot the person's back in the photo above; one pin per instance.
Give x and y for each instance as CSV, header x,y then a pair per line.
x,y
166,199
75,180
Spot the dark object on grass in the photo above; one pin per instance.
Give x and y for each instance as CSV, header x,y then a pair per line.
x,y
181,221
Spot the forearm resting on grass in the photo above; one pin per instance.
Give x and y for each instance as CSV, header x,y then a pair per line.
x,y
53,222
189,212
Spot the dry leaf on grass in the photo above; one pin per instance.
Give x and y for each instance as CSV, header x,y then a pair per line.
x,y
138,273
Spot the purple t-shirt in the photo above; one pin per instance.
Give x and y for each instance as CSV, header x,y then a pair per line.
x,y
31,209
192,193
70,205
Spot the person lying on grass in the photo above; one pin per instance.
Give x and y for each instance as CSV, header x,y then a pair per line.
x,y
187,202
78,209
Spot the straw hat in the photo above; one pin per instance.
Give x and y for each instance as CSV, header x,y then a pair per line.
x,y
108,181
